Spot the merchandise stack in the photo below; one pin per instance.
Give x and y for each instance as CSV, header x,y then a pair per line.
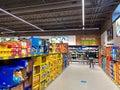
x,y
32,63
108,62
111,62
117,73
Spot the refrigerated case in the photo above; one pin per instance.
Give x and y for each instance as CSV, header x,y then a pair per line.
x,y
78,53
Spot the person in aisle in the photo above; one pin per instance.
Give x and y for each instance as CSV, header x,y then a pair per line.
x,y
87,56
91,58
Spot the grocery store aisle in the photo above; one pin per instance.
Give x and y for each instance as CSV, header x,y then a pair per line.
x,y
81,77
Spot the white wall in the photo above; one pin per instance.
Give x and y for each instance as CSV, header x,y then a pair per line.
x,y
116,39
104,39
71,39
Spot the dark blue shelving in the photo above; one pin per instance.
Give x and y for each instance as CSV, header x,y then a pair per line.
x,y
28,87
29,72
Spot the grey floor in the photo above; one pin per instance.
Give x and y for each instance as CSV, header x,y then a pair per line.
x,y
80,77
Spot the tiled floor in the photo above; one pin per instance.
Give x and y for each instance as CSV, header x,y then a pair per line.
x,y
80,77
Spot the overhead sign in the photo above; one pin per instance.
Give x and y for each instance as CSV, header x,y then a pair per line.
x,y
116,13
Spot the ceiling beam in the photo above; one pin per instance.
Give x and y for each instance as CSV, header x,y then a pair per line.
x,y
15,24
54,20
48,10
56,25
59,7
9,19
78,32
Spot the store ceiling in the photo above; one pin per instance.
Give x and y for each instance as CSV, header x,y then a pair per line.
x,y
63,16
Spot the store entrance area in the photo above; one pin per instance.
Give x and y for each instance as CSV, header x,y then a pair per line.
x,y
79,76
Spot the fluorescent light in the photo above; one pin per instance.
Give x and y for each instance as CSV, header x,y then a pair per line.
x,y
83,13
7,29
21,19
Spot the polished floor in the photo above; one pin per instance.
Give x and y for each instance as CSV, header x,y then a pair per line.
x,y
80,77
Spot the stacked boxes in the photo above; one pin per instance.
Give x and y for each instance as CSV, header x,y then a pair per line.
x,y
46,46
26,47
8,74
118,73
28,81
37,45
50,68
112,70
100,60
104,63
62,47
118,53
115,72
15,47
113,52
48,79
45,68
43,74
65,61
108,61
58,48
5,51
36,73
108,51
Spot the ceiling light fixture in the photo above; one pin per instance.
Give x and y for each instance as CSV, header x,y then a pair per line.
x,y
21,19
6,29
83,14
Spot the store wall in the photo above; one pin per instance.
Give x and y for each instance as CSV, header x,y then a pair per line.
x,y
115,40
113,22
71,39
104,39
95,38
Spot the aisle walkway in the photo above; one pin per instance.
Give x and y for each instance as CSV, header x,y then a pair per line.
x,y
81,77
